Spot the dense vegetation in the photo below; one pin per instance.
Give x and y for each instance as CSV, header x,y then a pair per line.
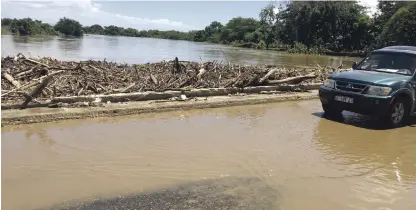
x,y
299,27
27,26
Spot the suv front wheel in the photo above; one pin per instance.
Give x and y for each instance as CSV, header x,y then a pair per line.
x,y
398,113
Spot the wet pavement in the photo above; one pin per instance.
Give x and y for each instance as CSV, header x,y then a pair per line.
x,y
222,193
274,156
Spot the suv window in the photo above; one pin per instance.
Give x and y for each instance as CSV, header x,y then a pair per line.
x,y
390,62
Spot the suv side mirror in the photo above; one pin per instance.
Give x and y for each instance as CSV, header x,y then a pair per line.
x,y
354,65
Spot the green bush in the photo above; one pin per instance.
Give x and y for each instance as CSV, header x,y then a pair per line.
x,y
69,27
298,48
400,29
261,45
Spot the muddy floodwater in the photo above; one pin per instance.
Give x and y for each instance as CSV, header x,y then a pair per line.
x,y
275,156
136,50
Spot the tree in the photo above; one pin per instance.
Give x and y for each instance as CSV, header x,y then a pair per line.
x,y
6,21
112,30
400,29
212,32
238,27
94,29
268,27
330,24
69,27
129,32
27,26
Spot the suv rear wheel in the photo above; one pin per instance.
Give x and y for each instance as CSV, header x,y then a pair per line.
x,y
398,113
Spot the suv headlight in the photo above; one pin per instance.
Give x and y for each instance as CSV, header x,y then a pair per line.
x,y
329,83
378,91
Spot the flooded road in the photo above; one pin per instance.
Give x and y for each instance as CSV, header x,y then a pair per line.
x,y
297,159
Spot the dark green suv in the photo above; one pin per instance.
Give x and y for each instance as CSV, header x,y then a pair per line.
x,y
383,84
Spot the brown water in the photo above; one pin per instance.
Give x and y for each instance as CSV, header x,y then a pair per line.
x,y
312,162
142,50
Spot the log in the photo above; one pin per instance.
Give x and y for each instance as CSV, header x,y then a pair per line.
x,y
154,80
190,93
127,88
36,62
9,78
202,92
119,97
319,66
16,84
36,81
15,58
201,72
271,72
21,74
291,80
199,76
235,80
95,68
37,90
252,81
176,66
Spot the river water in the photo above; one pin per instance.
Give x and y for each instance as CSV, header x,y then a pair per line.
x,y
303,160
143,50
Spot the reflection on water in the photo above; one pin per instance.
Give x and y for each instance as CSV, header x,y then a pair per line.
x,y
112,42
22,43
383,159
69,46
312,163
143,50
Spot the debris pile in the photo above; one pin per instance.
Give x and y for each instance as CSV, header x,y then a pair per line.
x,y
30,79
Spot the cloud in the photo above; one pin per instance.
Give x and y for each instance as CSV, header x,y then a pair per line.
x,y
371,4
86,12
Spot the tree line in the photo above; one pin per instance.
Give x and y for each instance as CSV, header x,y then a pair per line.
x,y
298,26
27,27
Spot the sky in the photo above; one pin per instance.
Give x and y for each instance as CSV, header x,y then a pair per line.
x,y
141,15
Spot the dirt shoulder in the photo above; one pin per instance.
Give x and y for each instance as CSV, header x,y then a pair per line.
x,y
44,114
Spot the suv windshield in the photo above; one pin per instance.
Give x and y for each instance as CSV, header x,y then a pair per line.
x,y
397,63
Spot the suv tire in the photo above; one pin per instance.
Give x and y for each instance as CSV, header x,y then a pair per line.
x,y
398,113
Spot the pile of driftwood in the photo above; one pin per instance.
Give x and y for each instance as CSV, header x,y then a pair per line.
x,y
29,79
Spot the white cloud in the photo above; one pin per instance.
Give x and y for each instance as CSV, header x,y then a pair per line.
x,y
371,4
85,11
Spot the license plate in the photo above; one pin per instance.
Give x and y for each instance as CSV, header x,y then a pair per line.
x,y
344,99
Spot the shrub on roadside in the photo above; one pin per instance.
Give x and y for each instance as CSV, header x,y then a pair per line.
x,y
300,48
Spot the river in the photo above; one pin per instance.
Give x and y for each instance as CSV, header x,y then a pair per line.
x,y
295,160
142,50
